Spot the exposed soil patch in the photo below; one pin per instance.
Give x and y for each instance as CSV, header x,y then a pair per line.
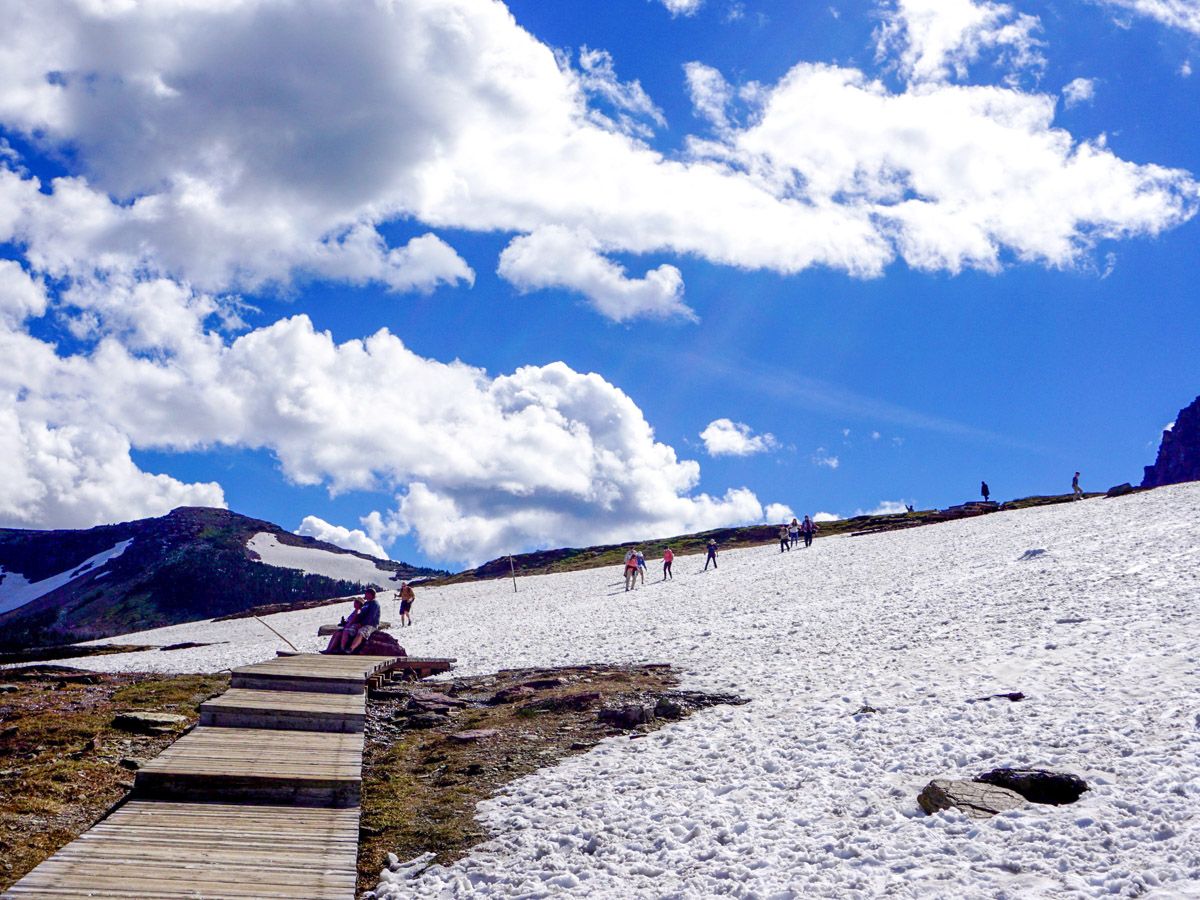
x,y
61,758
435,749
67,651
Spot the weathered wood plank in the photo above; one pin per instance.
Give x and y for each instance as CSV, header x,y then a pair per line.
x,y
149,850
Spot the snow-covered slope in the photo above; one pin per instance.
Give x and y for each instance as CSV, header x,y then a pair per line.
x,y
795,796
16,590
314,561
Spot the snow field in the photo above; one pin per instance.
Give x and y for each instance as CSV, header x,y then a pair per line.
x,y
16,590
793,795
314,561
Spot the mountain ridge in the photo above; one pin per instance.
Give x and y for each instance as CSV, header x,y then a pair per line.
x,y
193,563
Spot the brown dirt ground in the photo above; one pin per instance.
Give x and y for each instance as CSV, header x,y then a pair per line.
x,y
60,757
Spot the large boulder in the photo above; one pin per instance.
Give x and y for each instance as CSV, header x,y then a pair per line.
x,y
977,800
1179,453
1038,785
381,644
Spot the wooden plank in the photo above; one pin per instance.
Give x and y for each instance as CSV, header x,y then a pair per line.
x,y
253,764
150,850
290,710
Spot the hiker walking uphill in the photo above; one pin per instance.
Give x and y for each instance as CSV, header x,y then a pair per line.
x,y
808,529
406,601
1076,490
712,554
668,558
631,570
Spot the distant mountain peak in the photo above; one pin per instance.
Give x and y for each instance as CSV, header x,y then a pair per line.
x,y
193,563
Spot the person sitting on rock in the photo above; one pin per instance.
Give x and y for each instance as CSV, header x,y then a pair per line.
x,y
335,641
365,625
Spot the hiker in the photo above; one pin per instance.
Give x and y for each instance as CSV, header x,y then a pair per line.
x,y
794,532
1075,488
366,623
406,601
784,542
668,558
631,570
711,546
908,508
335,641
983,489
808,528
641,561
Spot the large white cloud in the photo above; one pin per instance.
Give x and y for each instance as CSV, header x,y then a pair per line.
x,y
480,465
340,536
191,125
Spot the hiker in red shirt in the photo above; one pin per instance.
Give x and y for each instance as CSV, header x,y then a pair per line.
x,y
668,558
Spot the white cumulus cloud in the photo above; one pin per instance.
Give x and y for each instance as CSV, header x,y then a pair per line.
x,y
682,7
1078,90
724,437
194,155
938,39
778,512
479,465
555,257
340,536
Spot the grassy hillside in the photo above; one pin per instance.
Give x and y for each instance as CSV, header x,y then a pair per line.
x,y
569,559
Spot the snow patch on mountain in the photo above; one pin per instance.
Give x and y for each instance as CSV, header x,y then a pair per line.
x,y
314,561
16,590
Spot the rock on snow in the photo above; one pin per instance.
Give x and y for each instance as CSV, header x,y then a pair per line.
x,y
793,796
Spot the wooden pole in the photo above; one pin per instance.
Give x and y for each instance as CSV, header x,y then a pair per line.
x,y
512,569
280,636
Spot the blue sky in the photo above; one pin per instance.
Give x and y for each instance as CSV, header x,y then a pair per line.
x,y
451,278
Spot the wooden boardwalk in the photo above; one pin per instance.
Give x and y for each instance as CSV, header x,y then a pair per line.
x,y
260,800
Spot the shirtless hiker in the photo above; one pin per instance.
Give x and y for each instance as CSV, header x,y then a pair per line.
x,y
406,601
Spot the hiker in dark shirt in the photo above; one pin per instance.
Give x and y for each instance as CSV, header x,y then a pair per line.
x,y
1076,490
808,528
983,489
712,554
365,625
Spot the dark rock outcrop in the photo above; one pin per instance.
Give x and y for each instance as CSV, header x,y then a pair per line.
x,y
1179,453
1038,785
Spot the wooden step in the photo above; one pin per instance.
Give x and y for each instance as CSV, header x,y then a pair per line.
x,y
255,765
218,851
311,672
285,710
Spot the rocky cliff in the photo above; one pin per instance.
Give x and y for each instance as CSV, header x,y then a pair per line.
x,y
1179,453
